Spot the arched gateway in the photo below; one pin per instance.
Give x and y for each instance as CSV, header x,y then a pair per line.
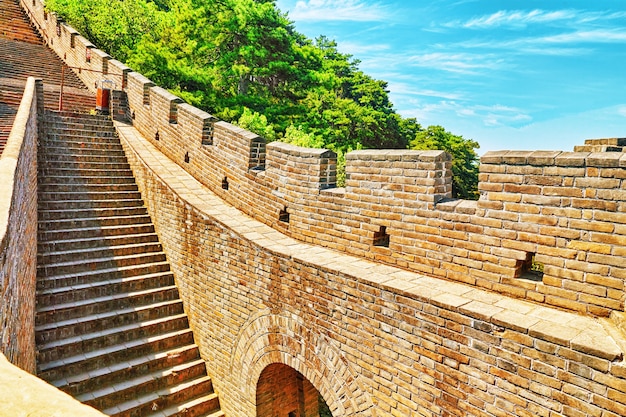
x,y
274,345
284,392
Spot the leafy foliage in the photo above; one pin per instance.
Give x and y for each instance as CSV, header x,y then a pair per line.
x,y
111,25
243,61
464,158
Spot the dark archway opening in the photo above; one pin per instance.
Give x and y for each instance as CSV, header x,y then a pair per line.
x,y
284,392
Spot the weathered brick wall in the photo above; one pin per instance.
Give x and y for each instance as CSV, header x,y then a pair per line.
x,y
373,339
561,209
18,232
283,392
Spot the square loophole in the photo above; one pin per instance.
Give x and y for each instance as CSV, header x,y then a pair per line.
x,y
381,238
283,216
529,268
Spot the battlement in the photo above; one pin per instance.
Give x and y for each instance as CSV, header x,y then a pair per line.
x,y
548,226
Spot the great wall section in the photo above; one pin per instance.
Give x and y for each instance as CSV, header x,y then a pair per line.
x,y
386,297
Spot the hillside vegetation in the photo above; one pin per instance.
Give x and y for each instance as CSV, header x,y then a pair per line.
x,y
243,61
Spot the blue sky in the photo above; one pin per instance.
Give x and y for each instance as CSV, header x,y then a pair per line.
x,y
509,74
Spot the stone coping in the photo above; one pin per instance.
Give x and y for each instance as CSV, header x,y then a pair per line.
x,y
23,394
11,153
587,335
556,158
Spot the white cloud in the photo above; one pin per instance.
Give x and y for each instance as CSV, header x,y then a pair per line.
x,y
587,36
340,10
354,48
522,18
462,63
518,18
410,90
489,116
563,44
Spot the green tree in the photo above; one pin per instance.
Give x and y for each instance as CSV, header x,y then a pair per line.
x,y
257,123
243,61
464,158
114,26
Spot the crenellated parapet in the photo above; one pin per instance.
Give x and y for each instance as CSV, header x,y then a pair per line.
x,y
417,179
548,226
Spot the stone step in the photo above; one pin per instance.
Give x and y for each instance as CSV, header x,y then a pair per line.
x,y
95,242
110,150
204,406
78,121
85,180
50,157
81,204
60,349
99,289
55,166
168,397
92,213
120,392
65,280
152,361
73,196
62,143
96,126
86,265
87,188
50,332
64,255
80,135
67,311
104,357
96,231
82,172
91,222
70,117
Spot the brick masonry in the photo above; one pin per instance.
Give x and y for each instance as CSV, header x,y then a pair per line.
x,y
18,232
277,266
373,339
563,208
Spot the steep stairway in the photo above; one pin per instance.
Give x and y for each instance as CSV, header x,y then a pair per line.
x,y
110,326
23,54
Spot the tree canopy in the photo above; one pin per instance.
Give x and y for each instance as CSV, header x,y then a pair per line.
x,y
464,158
243,61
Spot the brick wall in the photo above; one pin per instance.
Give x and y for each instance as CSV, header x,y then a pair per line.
x,y
560,209
18,232
284,392
378,339
372,339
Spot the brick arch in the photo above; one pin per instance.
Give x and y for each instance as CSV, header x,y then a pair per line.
x,y
268,338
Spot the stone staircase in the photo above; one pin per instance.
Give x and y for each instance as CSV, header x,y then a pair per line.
x,y
15,24
110,327
22,55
